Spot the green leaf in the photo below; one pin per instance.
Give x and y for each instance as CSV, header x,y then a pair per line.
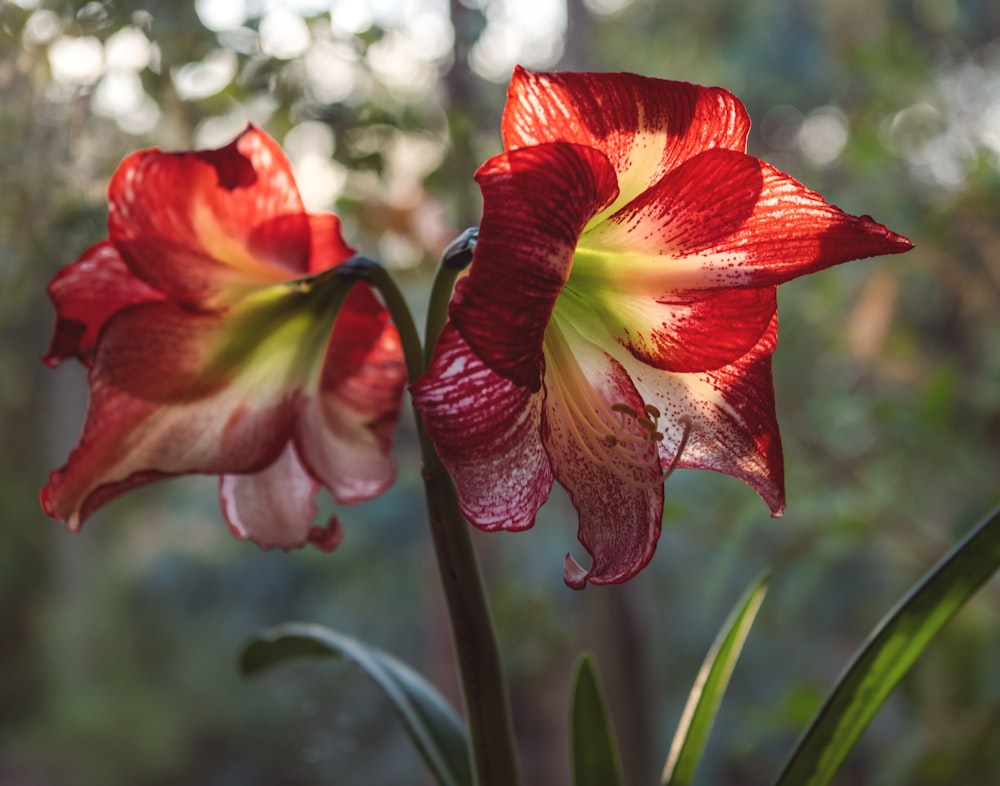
x,y
428,719
595,751
709,687
890,651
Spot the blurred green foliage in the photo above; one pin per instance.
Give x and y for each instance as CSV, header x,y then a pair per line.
x,y
117,663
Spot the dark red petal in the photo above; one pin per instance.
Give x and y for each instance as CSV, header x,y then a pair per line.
x,y
211,204
734,427
274,507
487,431
619,500
86,293
536,202
725,219
644,126
346,426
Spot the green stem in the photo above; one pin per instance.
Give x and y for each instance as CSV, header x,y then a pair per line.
x,y
494,756
376,275
455,259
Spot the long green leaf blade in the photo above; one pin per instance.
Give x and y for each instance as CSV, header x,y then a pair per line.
x,y
709,687
596,760
431,723
890,651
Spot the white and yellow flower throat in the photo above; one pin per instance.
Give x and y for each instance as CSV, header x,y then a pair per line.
x,y
615,436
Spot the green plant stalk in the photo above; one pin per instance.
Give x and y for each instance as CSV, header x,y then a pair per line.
x,y
491,738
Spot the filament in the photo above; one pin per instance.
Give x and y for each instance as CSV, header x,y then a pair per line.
x,y
617,437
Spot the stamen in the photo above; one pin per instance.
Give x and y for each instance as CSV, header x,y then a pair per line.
x,y
616,437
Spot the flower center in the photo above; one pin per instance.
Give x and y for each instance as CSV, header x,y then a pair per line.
x,y
618,437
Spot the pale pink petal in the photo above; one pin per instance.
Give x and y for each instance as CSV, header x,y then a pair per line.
x,y
616,489
86,293
536,202
347,421
644,126
487,431
724,219
275,507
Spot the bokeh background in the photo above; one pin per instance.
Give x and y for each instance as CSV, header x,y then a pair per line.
x,y
118,645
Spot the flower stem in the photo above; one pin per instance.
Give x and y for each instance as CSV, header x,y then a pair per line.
x,y
491,737
455,259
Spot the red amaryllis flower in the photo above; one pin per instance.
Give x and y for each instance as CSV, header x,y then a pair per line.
x,y
208,327
619,316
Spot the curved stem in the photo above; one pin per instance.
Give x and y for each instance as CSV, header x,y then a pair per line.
x,y
376,275
491,737
455,259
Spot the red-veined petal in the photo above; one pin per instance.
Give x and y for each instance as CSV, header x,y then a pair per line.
x,y
734,427
725,219
692,330
536,202
644,126
275,507
86,293
487,431
616,489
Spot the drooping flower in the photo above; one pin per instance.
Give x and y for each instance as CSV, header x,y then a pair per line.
x,y
207,324
619,316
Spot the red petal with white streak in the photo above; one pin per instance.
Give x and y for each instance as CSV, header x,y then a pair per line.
x,y
487,431
644,126
86,293
734,427
345,427
683,331
275,507
725,219
536,202
152,414
620,511
210,205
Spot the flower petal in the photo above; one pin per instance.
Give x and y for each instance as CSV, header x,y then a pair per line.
x,y
683,331
725,219
345,430
536,202
171,394
275,507
734,428
328,248
619,498
644,126
86,293
210,205
487,431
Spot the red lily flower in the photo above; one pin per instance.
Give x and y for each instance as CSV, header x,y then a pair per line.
x,y
619,315
208,328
